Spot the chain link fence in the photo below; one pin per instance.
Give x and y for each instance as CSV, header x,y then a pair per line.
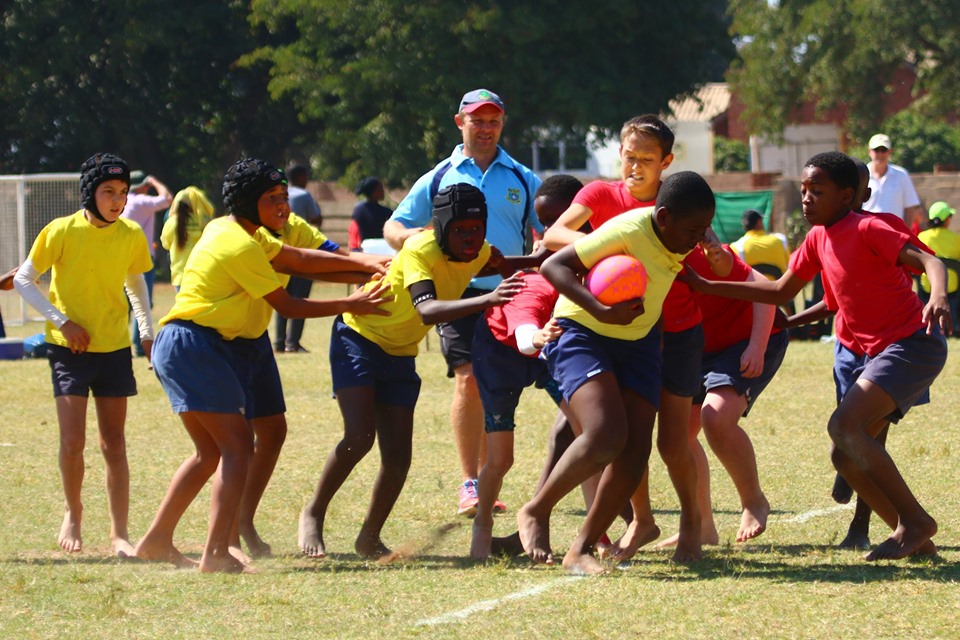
x,y
27,204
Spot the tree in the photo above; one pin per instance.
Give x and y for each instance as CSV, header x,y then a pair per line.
x,y
383,76
151,80
842,54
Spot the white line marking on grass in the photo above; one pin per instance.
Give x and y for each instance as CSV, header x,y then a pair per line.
x,y
489,605
816,513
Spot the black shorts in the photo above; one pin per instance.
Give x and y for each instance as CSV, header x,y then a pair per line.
x,y
107,375
456,338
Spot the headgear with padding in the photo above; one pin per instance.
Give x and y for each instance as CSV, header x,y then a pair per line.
x,y
245,182
459,201
96,170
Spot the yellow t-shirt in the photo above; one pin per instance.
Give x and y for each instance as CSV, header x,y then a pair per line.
x,y
759,247
225,279
945,244
198,219
298,233
89,266
421,259
629,233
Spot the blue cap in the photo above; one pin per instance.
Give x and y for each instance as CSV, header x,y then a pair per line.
x,y
475,99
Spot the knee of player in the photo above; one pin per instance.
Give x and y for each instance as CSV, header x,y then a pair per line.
x,y
605,446
356,445
840,430
114,447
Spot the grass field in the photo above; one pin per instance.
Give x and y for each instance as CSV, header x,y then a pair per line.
x,y
791,582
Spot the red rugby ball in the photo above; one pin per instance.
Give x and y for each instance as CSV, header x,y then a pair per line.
x,y
617,278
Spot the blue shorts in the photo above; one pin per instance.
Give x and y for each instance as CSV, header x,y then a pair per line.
x,y
108,375
200,371
904,370
682,351
580,353
356,361
502,373
722,369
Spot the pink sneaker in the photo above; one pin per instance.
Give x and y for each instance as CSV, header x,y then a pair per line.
x,y
468,499
499,506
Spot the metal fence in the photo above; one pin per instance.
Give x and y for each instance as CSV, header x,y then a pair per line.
x,y
27,204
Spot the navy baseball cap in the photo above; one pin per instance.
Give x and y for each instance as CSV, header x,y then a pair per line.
x,y
475,99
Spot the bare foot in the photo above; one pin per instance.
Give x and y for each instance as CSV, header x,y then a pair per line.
x,y
123,549
708,536
507,546
480,542
636,535
309,538
237,552
604,547
688,546
904,542
255,544
855,540
753,522
535,537
582,564
163,553
69,537
372,547
210,563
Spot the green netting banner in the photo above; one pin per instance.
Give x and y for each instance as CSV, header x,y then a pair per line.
x,y
728,222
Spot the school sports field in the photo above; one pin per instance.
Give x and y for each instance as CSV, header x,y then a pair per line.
x,y
791,582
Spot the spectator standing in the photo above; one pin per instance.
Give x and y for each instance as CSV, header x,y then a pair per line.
x,y
368,216
891,189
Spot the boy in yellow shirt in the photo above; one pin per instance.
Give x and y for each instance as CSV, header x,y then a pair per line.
x,y
94,256
372,358
214,358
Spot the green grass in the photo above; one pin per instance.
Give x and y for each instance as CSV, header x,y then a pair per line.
x,y
790,582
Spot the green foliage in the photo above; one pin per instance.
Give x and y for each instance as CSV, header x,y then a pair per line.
x,y
151,80
730,154
842,54
384,77
919,142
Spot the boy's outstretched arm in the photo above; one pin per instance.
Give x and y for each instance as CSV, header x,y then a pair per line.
x,y
813,313
770,292
361,302
313,262
937,309
565,271
433,311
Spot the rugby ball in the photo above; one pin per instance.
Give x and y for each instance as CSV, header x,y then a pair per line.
x,y
617,278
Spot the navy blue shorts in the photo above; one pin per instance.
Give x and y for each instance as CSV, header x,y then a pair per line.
x,y
358,362
580,353
722,369
456,338
200,371
682,351
904,370
108,375
502,373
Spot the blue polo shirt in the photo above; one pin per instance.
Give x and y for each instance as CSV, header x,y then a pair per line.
x,y
506,201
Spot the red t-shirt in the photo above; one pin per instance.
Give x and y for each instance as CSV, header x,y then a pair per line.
x,y
844,336
533,305
606,200
862,280
725,321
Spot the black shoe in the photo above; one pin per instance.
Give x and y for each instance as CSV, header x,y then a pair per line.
x,y
278,349
296,349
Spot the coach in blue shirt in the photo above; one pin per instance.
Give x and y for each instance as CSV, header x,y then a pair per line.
x,y
508,187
